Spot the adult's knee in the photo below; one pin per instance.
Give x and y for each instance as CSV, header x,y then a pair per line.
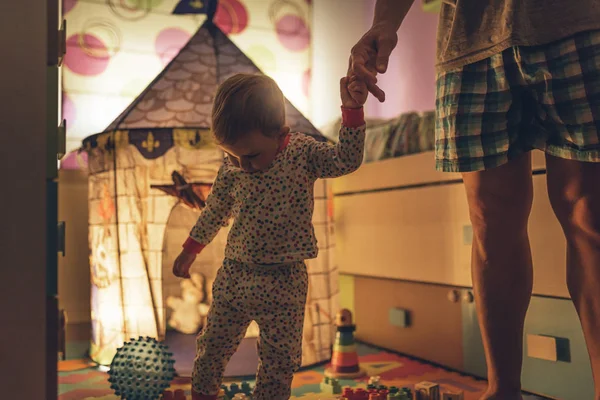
x,y
577,212
498,212
575,195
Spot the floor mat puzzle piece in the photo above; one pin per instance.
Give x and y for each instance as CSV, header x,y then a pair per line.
x,y
74,365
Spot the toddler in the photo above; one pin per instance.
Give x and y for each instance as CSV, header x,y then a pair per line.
x,y
266,185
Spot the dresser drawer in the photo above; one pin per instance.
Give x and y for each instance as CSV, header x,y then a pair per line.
x,y
412,318
473,354
414,234
424,234
555,359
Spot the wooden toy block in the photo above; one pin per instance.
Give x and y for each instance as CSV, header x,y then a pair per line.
x,y
452,395
168,395
427,391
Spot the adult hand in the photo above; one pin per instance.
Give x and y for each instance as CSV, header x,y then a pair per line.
x,y
371,56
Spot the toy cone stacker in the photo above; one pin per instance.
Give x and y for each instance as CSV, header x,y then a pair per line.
x,y
344,361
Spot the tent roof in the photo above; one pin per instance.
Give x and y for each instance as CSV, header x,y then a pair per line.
x,y
181,95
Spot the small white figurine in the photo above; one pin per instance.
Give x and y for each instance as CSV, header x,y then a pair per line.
x,y
374,380
189,313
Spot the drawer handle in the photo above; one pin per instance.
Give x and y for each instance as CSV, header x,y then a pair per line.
x,y
399,317
549,348
453,296
468,296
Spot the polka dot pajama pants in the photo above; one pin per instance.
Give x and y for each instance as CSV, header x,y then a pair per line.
x,y
273,296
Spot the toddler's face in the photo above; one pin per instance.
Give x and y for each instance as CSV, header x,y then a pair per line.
x,y
254,151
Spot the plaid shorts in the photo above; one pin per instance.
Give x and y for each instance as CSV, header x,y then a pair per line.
x,y
543,97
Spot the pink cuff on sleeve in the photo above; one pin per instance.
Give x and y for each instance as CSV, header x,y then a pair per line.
x,y
191,246
353,117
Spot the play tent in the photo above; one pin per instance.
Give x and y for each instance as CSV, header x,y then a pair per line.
x,y
149,172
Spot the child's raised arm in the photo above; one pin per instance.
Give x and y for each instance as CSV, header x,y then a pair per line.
x,y
326,160
330,161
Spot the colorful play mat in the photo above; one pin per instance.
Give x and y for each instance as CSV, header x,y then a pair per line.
x,y
81,380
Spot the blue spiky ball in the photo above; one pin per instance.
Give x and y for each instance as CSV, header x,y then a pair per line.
x,y
141,370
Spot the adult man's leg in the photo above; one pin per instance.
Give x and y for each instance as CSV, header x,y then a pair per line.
x,y
500,202
574,191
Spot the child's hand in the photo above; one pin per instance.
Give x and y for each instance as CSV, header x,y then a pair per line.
x,y
183,263
353,92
